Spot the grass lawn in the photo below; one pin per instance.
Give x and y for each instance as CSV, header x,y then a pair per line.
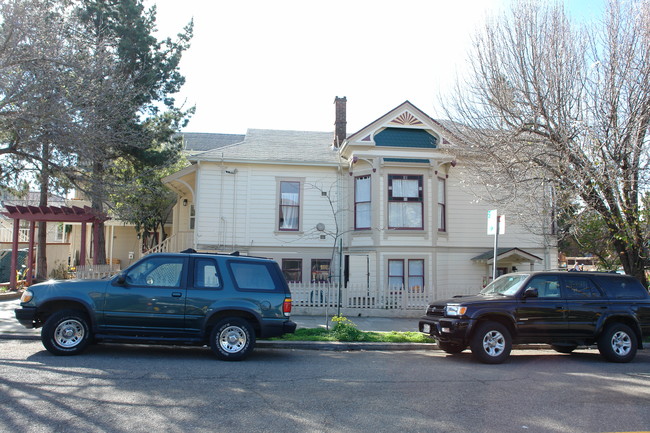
x,y
346,330
321,334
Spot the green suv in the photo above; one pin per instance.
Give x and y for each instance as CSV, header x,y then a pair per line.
x,y
225,301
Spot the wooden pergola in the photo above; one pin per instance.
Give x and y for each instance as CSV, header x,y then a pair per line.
x,y
35,214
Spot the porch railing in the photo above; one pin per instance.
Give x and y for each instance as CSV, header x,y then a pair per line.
x,y
307,298
175,243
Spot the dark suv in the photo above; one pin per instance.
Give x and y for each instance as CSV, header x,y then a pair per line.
x,y
564,309
226,301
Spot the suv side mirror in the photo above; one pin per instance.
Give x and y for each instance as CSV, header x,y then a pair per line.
x,y
531,292
121,279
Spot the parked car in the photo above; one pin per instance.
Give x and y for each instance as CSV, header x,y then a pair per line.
x,y
225,301
563,309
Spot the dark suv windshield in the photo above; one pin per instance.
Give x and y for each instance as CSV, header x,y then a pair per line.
x,y
505,285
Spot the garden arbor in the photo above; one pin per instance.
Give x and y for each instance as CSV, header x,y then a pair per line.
x,y
58,214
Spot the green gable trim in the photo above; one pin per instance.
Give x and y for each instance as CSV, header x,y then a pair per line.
x,y
415,160
400,137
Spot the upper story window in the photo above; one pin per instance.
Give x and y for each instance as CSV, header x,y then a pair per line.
x,y
405,198
289,218
362,202
442,204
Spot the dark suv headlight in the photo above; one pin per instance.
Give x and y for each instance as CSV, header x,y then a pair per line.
x,y
455,310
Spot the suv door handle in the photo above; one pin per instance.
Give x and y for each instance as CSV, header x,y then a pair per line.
x,y
177,294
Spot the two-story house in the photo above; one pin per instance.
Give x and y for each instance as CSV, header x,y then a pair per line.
x,y
385,208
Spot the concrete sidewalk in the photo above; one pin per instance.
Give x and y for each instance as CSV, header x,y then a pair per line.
x,y
11,329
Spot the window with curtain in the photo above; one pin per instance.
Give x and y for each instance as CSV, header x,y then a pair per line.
x,y
292,270
442,204
405,209
289,206
362,202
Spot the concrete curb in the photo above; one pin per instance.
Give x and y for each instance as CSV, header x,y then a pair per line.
x,y
343,346
333,346
7,296
7,336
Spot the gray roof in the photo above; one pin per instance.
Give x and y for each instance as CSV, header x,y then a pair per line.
x,y
277,146
488,255
201,141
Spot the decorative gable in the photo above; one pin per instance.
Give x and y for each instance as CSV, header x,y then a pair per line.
x,y
401,137
406,119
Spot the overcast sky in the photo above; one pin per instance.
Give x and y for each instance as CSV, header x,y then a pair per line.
x,y
278,64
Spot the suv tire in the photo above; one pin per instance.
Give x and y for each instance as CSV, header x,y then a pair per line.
x,y
617,343
491,343
66,332
450,348
232,339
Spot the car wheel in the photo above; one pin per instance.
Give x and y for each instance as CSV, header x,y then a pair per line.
x,y
567,348
232,339
618,343
491,343
450,348
66,332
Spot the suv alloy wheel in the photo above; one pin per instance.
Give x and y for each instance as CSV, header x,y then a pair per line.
x,y
491,343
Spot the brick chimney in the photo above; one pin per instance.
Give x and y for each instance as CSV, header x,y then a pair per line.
x,y
340,122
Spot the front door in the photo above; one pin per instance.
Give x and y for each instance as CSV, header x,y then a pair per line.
x,y
545,315
151,298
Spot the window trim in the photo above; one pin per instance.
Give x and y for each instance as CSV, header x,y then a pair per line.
x,y
421,290
442,206
395,276
406,273
286,259
357,202
278,206
419,199
312,271
192,217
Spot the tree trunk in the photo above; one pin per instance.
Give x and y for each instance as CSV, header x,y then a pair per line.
x,y
41,257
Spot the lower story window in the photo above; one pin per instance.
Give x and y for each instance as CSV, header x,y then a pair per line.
x,y
320,270
406,273
292,270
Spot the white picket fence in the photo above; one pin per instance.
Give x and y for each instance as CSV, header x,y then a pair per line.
x,y
95,272
314,298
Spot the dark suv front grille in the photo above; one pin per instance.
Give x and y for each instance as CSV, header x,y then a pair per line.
x,y
436,310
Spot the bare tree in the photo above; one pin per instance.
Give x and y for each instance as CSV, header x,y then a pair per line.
x,y
554,112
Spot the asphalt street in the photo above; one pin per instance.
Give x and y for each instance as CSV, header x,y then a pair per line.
x,y
122,388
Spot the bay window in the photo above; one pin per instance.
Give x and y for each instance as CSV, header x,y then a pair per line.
x,y
405,197
362,202
442,205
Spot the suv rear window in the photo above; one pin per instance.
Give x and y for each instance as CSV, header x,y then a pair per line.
x,y
622,287
252,276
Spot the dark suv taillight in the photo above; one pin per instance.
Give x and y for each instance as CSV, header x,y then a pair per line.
x,y
286,306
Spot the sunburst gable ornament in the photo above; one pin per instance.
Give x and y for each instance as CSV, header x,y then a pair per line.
x,y
407,119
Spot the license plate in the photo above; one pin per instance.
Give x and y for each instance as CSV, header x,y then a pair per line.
x,y
426,328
